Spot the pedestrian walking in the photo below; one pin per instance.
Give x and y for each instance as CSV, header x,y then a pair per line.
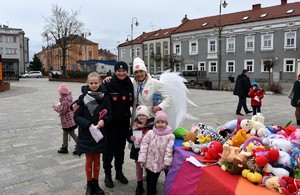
x,y
295,101
66,117
93,115
241,89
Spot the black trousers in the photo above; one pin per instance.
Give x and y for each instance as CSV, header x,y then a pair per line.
x,y
256,109
242,103
152,181
116,142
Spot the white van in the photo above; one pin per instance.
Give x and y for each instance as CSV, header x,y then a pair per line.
x,y
194,77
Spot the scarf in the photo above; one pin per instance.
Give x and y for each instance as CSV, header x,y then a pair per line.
x,y
90,100
167,130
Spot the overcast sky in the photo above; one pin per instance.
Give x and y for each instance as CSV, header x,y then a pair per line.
x,y
110,21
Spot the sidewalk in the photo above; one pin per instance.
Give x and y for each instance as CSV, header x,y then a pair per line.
x,y
30,135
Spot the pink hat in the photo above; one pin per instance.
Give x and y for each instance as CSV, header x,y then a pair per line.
x,y
63,89
161,116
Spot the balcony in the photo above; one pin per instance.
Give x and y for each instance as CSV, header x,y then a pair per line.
x,y
156,56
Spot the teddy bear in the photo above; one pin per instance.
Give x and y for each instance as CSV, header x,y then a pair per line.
x,y
252,126
239,162
190,136
229,153
258,117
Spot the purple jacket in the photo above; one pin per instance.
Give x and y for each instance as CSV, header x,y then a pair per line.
x,y
65,113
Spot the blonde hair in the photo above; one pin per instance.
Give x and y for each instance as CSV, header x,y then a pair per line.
x,y
93,74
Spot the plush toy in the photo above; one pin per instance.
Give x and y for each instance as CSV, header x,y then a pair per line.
x,y
258,117
280,144
280,172
284,159
263,132
204,139
190,136
240,161
245,124
229,153
254,177
263,156
239,138
226,166
290,186
252,143
199,148
214,151
290,129
253,166
179,131
271,182
295,137
187,145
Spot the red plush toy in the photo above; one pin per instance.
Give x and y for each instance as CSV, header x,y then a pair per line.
x,y
214,151
263,156
289,185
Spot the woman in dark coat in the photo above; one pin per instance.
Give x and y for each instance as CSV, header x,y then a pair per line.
x,y
93,115
241,89
295,101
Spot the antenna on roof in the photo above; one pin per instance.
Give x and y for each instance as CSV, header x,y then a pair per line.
x,y
151,26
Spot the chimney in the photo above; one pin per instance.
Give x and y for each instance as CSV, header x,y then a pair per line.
x,y
283,2
184,19
256,6
82,35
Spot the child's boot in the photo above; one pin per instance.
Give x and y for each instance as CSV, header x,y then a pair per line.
x,y
89,188
97,189
139,188
63,150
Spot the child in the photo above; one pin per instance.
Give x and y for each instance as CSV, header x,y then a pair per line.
x,y
156,150
93,114
256,95
140,127
66,117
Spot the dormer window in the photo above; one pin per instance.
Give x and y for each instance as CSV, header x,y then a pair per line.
x,y
245,18
156,34
289,11
204,24
166,33
263,15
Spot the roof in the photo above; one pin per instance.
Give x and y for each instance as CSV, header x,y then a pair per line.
x,y
256,14
139,40
161,34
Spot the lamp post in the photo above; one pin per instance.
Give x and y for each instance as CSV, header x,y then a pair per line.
x,y
85,34
224,4
134,21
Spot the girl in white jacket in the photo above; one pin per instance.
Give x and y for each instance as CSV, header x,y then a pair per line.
x,y
156,150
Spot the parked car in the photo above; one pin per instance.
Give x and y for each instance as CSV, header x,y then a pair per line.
x,y
32,74
157,75
194,77
53,73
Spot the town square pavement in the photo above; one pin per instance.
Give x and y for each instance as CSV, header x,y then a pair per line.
x,y
30,135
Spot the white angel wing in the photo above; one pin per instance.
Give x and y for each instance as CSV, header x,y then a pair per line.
x,y
174,84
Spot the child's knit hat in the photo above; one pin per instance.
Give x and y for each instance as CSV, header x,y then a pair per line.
x,y
142,110
63,89
139,64
161,116
254,83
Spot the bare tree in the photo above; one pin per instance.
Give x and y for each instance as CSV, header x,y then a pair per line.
x,y
59,28
269,64
172,61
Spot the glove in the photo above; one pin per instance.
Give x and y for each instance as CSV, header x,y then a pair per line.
x,y
96,133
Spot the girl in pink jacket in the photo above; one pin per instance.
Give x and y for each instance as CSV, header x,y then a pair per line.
x,y
66,117
156,150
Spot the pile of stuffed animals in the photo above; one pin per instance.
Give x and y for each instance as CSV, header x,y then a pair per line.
x,y
265,155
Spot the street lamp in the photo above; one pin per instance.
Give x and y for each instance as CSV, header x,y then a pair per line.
x,y
134,21
224,4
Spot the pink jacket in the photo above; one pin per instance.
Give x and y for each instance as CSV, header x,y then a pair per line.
x,y
65,113
157,150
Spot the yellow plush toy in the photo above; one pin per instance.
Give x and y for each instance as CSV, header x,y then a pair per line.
x,y
239,138
254,177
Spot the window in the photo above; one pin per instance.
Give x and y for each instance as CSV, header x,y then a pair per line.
x,y
212,46
249,43
138,51
245,18
267,42
212,67
289,64
249,65
10,51
1,39
193,48
230,66
166,50
177,49
146,51
189,67
263,68
201,66
230,44
1,50
122,53
290,40
11,39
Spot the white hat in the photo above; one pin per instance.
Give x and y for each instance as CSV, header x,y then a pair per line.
x,y
139,64
142,110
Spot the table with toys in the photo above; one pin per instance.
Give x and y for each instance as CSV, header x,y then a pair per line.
x,y
236,158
